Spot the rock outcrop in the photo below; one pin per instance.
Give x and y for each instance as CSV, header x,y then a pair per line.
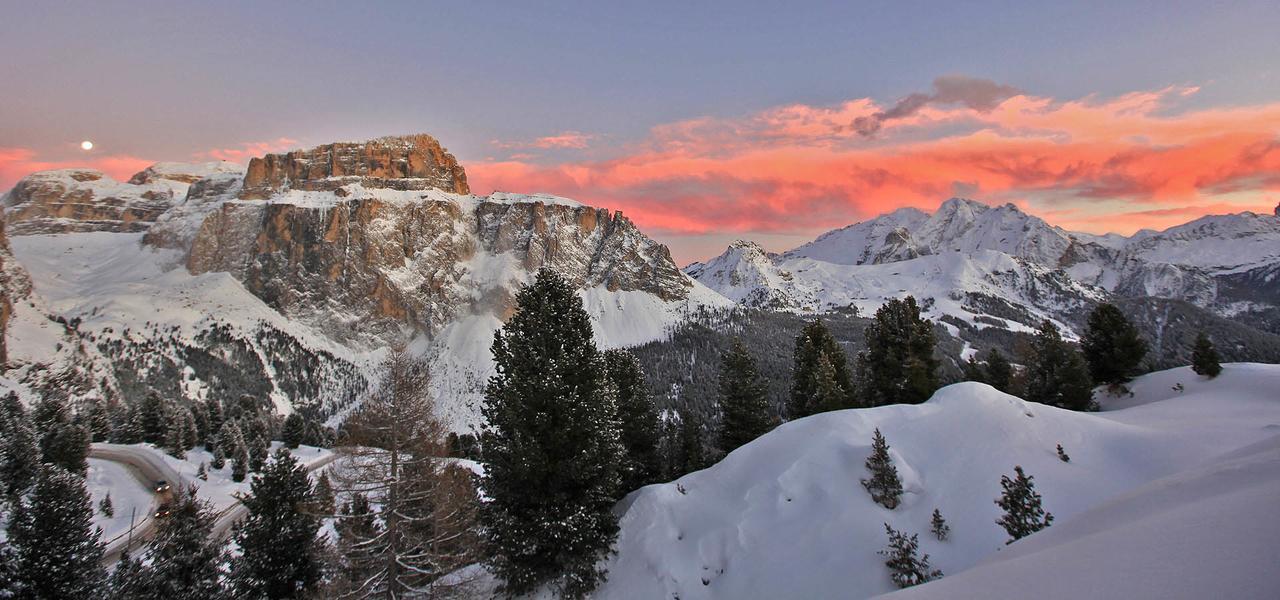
x,y
415,162
15,286
73,200
376,267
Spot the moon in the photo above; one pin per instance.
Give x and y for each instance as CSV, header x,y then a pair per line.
x,y
86,145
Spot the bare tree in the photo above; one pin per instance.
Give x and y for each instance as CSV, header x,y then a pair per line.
x,y
416,530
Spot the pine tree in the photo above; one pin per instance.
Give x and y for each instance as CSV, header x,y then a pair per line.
x,y
743,404
62,442
638,418
905,568
813,344
1062,455
58,553
183,561
324,501
1021,503
106,508
898,366
128,580
551,445
356,569
688,445
997,371
1111,346
259,450
202,473
153,419
884,486
219,459
9,580
279,552
1204,357
295,429
939,526
232,441
1056,374
182,433
19,452
972,370
214,421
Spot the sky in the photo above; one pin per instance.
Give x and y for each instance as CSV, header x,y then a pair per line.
x,y
703,122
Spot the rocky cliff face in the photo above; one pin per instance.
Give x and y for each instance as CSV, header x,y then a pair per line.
x,y
416,162
72,200
376,266
15,286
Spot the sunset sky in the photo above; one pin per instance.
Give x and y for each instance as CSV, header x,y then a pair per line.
x,y
703,121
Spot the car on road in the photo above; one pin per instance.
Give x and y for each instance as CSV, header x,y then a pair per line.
x,y
163,510
162,486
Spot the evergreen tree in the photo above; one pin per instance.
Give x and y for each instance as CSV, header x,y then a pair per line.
x,y
898,366
997,372
551,446
972,370
905,568
939,526
279,552
884,486
294,431
814,345
106,508
426,529
153,419
202,473
58,553
1021,503
355,567
214,421
324,501
182,433
231,441
1056,375
183,561
743,404
219,459
638,418
1111,346
1204,357
687,444
62,442
128,580
19,452
9,580
259,450
1062,455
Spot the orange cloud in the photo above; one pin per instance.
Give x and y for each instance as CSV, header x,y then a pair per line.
x,y
249,150
804,169
16,163
568,140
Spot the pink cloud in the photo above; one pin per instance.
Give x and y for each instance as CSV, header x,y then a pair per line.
x,y
16,163
567,140
248,150
804,169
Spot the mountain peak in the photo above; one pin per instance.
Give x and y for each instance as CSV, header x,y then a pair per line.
x,y
412,162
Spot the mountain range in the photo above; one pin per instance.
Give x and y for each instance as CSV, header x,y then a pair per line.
x,y
290,276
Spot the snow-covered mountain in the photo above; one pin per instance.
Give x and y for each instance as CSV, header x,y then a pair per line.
x,y
1164,473
970,261
299,270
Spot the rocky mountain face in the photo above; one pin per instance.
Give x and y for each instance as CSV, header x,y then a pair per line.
x,y
15,286
73,200
416,162
993,258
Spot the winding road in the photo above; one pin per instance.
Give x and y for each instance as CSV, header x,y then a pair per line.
x,y
149,467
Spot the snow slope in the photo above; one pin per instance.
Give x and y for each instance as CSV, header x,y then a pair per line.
x,y
1210,532
786,516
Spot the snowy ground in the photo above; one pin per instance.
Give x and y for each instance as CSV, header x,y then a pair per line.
x,y
220,490
131,499
786,516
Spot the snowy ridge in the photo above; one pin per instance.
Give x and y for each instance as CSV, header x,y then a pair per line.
x,y
785,515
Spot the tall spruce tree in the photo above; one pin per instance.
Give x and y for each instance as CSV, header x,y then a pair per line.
x,y
184,562
743,404
898,366
1204,357
8,572
57,548
153,419
997,372
814,345
638,417
214,421
1056,374
62,441
906,568
279,552
884,486
128,580
551,446
688,447
1023,514
1111,346
294,430
19,452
